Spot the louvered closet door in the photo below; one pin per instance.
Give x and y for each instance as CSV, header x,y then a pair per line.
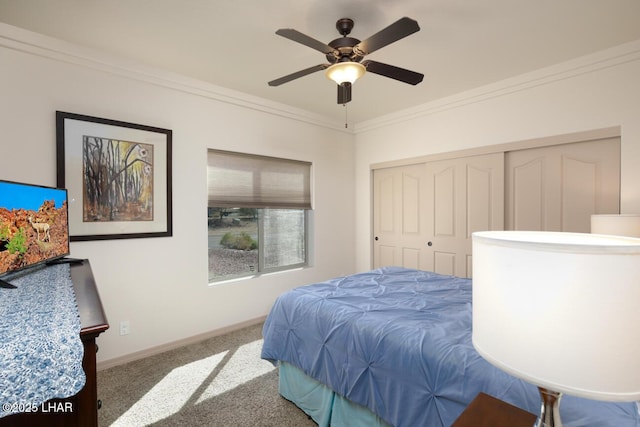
x,y
398,216
557,188
463,195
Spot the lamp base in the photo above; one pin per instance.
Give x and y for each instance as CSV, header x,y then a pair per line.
x,y
550,409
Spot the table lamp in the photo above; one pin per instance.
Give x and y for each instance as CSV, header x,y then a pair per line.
x,y
616,224
559,310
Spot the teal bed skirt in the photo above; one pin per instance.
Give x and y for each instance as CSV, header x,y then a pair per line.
x,y
323,405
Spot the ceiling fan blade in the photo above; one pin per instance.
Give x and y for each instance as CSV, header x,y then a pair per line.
x,y
396,73
344,93
394,32
304,39
298,74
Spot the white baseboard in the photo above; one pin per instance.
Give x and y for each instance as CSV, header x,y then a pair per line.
x,y
106,364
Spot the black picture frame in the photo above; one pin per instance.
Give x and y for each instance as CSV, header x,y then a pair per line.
x,y
118,176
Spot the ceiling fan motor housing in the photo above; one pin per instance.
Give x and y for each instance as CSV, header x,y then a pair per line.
x,y
344,45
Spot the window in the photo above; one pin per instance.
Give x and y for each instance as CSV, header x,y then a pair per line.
x,y
257,214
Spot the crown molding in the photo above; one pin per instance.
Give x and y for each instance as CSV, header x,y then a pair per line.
x,y
608,58
29,42
36,44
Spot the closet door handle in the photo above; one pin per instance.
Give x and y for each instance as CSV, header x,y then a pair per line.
x,y
429,243
376,238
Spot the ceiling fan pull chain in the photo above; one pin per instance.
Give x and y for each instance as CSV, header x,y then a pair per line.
x,y
346,121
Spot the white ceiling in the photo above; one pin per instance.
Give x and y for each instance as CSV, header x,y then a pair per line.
x,y
462,44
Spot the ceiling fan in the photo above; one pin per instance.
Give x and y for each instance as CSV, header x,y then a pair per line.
x,y
346,54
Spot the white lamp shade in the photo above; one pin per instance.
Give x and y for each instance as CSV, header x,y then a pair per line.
x,y
619,225
343,72
560,310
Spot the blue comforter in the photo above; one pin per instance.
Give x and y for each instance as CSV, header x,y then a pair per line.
x,y
398,341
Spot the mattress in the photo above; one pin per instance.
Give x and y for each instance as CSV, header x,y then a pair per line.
x,y
398,342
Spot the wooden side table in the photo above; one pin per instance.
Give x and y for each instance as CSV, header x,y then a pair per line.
x,y
487,411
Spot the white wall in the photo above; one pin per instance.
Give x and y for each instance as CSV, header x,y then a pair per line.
x,y
160,284
594,92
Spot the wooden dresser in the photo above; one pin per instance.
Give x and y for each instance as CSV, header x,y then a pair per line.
x,y
81,409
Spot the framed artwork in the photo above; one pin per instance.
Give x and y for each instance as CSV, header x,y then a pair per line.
x,y
118,176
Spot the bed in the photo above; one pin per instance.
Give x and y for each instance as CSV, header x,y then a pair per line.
x,y
393,347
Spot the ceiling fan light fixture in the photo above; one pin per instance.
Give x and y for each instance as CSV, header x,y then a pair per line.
x,y
345,72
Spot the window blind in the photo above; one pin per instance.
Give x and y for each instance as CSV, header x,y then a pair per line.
x,y
247,180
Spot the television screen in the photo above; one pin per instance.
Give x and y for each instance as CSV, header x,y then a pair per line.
x,y
34,226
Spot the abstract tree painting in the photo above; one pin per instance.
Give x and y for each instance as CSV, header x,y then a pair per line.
x,y
117,180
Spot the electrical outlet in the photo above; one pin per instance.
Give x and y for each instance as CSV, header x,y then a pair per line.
x,y
125,328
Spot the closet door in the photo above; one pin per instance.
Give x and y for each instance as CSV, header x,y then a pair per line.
x,y
424,214
462,195
557,188
398,216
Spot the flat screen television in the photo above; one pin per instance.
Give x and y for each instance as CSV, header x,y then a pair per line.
x,y
34,227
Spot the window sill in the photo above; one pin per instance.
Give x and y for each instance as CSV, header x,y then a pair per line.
x,y
254,276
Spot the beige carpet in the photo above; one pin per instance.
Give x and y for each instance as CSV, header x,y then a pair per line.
x,y
218,382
